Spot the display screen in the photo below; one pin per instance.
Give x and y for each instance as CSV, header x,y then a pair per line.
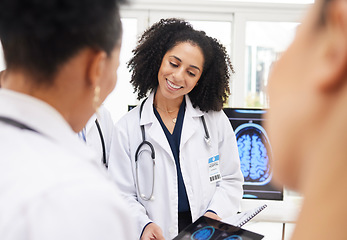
x,y
255,153
209,229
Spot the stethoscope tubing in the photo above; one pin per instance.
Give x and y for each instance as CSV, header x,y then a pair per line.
x,y
104,161
143,197
144,142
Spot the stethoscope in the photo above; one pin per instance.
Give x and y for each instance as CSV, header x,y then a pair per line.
x,y
82,135
102,143
150,145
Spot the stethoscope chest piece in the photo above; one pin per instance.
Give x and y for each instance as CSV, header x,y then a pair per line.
x,y
207,134
208,141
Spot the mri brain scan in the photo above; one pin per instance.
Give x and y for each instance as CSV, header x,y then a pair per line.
x,y
203,233
254,151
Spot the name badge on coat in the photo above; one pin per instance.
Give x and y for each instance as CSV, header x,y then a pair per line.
x,y
214,171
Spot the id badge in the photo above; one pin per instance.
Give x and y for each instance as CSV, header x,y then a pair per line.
x,y
214,171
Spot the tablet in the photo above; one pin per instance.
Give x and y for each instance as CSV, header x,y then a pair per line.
x,y
209,229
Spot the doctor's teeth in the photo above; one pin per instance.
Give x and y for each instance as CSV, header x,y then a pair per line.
x,y
173,85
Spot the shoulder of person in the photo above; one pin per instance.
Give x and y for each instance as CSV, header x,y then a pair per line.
x,y
129,117
104,114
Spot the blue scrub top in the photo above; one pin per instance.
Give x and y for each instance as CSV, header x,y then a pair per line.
x,y
174,140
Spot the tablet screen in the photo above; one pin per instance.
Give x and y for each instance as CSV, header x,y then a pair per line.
x,y
209,229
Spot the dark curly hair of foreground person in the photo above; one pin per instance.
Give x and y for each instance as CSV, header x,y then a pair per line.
x,y
212,89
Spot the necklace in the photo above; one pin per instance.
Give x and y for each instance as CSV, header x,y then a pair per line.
x,y
168,112
156,106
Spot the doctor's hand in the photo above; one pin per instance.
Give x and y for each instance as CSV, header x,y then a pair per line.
x,y
152,232
212,215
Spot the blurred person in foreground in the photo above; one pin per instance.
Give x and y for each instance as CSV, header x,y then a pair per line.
x,y
61,62
2,76
307,120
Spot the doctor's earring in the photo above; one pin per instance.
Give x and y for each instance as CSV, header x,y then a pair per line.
x,y
96,98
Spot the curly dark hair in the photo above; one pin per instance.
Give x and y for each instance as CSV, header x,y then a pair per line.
x,y
38,36
212,89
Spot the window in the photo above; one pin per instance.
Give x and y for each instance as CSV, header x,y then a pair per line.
x,y
219,26
217,29
265,41
260,36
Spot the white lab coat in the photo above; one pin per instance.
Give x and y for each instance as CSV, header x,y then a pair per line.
x,y
51,186
93,138
222,197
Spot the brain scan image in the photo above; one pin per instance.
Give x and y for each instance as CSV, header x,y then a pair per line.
x,y
203,233
255,152
205,228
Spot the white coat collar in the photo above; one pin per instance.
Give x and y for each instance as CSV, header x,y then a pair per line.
x,y
147,115
90,123
190,110
190,125
192,122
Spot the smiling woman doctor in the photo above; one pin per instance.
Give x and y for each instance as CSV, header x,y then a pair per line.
x,y
174,157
